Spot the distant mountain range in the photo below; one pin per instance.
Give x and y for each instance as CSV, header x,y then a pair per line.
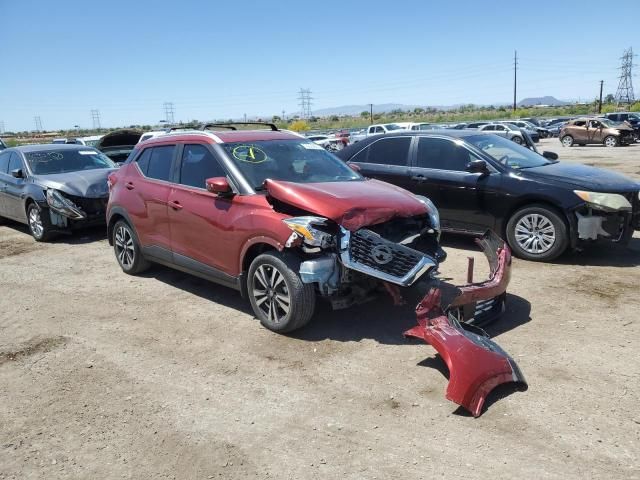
x,y
388,107
548,100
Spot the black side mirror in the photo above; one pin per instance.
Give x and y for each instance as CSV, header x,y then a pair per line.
x,y
550,155
477,166
17,173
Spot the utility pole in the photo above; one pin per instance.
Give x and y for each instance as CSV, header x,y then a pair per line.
x,y
304,97
371,114
515,79
95,119
284,119
38,121
600,101
1,126
168,112
245,118
624,95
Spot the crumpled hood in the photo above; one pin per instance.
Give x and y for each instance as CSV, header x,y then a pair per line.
x,y
86,183
350,204
582,177
119,138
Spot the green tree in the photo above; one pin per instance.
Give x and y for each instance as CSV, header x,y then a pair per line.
x,y
364,114
299,126
609,98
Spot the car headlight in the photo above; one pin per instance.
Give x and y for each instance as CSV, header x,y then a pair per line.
x,y
304,226
432,211
62,204
604,201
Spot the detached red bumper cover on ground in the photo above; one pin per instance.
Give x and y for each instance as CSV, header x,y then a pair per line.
x,y
476,364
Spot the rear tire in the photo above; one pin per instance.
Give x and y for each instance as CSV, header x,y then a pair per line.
x,y
127,249
279,298
537,232
567,141
39,223
610,141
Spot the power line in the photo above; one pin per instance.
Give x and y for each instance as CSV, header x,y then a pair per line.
x,y
515,79
305,102
624,95
95,118
168,112
38,121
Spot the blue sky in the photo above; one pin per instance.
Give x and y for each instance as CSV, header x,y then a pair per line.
x,y
223,59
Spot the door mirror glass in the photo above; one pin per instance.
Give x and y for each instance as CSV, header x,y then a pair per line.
x,y
17,173
354,167
219,186
550,155
477,166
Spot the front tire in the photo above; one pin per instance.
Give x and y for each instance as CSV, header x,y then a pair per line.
x,y
567,141
610,141
279,298
39,223
127,249
537,233
517,139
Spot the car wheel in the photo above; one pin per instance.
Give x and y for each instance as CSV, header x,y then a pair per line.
x,y
567,141
279,298
537,233
39,223
517,139
610,141
127,249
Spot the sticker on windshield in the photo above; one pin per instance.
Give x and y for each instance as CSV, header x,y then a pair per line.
x,y
249,153
87,152
312,146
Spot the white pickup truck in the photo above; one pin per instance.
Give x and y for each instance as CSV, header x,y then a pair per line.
x,y
378,129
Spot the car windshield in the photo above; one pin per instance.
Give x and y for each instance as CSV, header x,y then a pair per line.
x,y
393,126
507,152
47,162
294,160
634,116
609,123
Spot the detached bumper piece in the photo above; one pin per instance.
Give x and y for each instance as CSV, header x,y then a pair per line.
x,y
476,364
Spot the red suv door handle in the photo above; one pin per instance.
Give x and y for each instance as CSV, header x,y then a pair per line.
x,y
175,205
129,186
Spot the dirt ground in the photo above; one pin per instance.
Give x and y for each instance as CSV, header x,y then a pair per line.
x,y
103,375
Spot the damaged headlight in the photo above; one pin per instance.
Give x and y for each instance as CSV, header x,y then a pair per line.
x,y
604,201
304,227
432,211
62,204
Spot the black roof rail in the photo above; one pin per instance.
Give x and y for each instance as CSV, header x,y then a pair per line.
x,y
230,125
219,125
182,127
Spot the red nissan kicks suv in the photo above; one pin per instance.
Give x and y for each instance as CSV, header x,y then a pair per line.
x,y
273,215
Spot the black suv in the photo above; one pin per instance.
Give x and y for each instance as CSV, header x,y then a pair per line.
x,y
632,118
479,180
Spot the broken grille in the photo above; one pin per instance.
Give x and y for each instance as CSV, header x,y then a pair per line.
x,y
373,251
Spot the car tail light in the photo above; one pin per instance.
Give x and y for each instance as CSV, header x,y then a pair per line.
x,y
111,180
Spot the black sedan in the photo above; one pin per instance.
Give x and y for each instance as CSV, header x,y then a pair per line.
x,y
54,188
479,181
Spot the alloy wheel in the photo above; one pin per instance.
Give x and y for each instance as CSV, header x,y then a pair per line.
x,y
125,250
567,141
271,293
610,142
535,233
35,223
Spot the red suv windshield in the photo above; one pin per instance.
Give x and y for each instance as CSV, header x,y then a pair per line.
x,y
297,161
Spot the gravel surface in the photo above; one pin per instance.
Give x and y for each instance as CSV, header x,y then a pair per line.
x,y
104,375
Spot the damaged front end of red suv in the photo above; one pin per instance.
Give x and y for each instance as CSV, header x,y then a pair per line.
x,y
352,250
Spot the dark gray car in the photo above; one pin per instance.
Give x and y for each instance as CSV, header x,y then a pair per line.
x,y
54,188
